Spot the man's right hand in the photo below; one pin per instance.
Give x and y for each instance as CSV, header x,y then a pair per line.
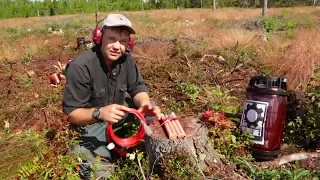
x,y
113,113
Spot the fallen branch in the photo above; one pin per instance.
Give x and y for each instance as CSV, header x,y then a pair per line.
x,y
141,170
6,94
189,64
290,158
35,126
295,157
232,80
218,57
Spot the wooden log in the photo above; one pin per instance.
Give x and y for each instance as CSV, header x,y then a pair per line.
x,y
196,143
289,158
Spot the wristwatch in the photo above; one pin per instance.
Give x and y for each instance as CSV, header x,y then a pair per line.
x,y
96,114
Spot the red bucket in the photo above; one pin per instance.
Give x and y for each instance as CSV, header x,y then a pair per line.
x,y
55,79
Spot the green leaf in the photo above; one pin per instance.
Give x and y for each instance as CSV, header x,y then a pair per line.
x,y
234,139
140,155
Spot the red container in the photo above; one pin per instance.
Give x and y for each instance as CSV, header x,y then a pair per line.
x,y
55,79
264,115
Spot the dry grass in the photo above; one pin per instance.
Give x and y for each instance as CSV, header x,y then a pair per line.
x,y
155,51
160,16
195,22
298,61
32,43
231,37
36,22
221,14
293,59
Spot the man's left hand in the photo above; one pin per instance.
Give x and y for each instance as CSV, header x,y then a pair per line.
x,y
149,110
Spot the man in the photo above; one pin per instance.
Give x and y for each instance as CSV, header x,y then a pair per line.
x,y
96,86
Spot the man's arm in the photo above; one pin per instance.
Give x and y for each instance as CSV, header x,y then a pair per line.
x,y
76,95
111,114
82,116
141,99
138,91
135,83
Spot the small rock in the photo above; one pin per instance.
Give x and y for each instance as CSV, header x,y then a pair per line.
x,y
31,73
265,38
6,124
36,95
202,157
164,98
220,58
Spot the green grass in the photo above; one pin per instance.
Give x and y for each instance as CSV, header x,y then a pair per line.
x,y
18,150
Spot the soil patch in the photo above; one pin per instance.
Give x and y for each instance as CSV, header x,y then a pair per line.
x,y
26,90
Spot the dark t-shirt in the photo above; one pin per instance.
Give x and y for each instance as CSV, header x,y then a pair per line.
x,y
90,83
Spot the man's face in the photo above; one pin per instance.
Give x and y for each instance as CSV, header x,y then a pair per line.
x,y
114,43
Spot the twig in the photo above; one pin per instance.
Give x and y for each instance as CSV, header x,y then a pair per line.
x,y
104,172
170,75
154,164
46,118
141,170
3,96
231,80
208,55
188,62
235,66
6,94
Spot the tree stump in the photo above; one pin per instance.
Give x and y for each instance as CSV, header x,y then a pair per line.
x,y
196,143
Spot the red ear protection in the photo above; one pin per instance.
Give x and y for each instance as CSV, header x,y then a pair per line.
x,y
131,43
96,35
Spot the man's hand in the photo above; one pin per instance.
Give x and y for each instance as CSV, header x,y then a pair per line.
x,y
149,110
113,113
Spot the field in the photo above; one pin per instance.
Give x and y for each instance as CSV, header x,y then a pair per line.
x,y
192,60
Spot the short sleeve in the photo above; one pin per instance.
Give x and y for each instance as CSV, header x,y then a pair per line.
x,y
135,81
77,89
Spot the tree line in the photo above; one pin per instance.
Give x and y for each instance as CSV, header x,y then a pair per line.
x,y
30,8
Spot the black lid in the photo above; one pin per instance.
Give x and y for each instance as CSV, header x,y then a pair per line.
x,y
269,85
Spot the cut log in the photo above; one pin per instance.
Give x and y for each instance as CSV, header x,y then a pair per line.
x,y
196,144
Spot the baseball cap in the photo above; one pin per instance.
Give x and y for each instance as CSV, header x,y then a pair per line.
x,y
113,20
